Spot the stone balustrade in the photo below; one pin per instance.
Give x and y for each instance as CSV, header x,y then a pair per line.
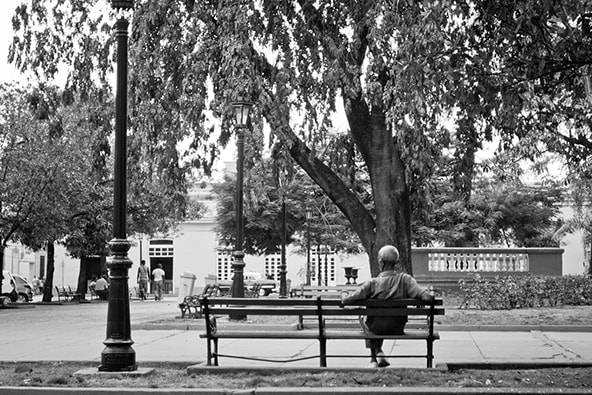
x,y
468,261
453,264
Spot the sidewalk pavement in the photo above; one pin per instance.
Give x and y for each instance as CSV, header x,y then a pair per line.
x,y
74,332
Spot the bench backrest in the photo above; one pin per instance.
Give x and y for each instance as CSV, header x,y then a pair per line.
x,y
320,307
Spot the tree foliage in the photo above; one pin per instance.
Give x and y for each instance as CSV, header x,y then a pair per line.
x,y
38,165
497,214
511,70
264,217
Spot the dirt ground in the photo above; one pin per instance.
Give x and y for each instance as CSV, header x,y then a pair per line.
x,y
61,374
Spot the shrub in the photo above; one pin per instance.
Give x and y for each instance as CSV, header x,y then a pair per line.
x,y
515,292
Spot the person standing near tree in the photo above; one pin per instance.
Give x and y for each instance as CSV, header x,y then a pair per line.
x,y
158,278
143,276
391,283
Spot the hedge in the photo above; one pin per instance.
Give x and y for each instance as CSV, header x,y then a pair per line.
x,y
515,292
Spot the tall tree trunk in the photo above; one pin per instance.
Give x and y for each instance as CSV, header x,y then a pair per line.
x,y
2,248
48,285
82,283
389,188
589,272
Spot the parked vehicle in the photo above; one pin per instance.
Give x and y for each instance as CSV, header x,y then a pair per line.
x,y
8,286
251,279
24,288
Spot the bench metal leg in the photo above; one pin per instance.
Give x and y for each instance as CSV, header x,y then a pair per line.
x,y
430,356
209,345
215,352
323,349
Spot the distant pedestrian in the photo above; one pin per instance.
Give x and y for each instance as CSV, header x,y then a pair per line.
x,y
35,283
158,278
143,276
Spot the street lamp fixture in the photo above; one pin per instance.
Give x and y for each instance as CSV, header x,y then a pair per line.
x,y
242,109
122,4
118,354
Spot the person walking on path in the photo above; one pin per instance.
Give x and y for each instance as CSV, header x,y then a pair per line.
x,y
143,276
391,283
158,277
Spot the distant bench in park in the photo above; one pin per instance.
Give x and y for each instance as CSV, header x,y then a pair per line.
x,y
65,292
191,306
321,309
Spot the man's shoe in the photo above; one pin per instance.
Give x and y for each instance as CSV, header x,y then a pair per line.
x,y
382,362
373,365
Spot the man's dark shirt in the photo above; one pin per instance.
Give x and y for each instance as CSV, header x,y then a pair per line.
x,y
387,285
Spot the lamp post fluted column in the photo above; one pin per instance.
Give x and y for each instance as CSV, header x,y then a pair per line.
x,y
283,263
238,264
241,112
308,272
118,354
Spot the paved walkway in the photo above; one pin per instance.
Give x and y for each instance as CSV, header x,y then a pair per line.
x,y
75,332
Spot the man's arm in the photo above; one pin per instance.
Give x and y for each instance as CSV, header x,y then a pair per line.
x,y
363,292
427,296
417,291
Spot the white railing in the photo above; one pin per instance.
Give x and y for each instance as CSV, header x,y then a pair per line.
x,y
478,262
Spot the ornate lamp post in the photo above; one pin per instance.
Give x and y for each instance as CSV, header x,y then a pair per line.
x,y
308,218
242,109
118,354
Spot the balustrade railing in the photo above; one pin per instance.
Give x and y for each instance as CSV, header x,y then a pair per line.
x,y
477,262
458,262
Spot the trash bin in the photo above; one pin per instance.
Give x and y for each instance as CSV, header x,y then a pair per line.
x,y
186,286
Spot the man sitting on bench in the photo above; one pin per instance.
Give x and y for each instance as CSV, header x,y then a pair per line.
x,y
391,283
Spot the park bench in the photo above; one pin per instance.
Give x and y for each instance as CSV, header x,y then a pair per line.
x,y
93,294
66,293
191,305
321,309
225,290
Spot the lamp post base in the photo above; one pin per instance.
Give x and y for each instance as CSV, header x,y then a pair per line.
x,y
118,358
238,281
283,282
118,355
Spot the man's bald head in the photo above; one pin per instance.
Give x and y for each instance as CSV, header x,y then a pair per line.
x,y
388,257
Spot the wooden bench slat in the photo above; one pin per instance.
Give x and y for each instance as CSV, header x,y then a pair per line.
x,y
409,334
382,311
261,301
313,302
259,311
287,334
